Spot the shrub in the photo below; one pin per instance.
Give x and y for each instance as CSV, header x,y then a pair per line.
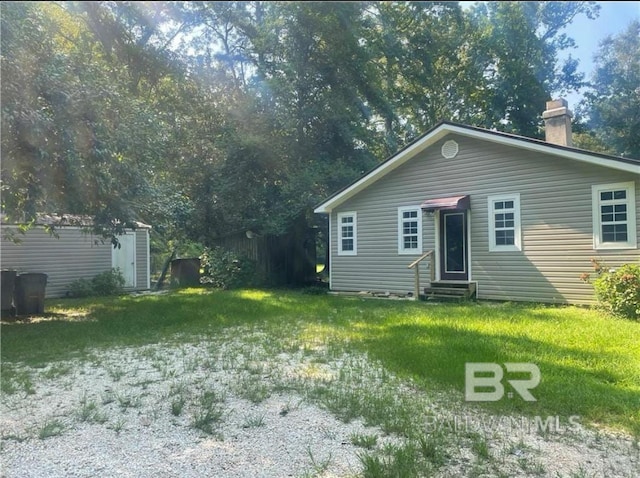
x,y
109,282
80,288
225,269
617,289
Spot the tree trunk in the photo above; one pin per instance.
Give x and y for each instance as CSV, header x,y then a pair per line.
x,y
165,268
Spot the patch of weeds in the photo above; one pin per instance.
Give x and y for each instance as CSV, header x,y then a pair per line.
x,y
581,473
254,421
208,413
328,433
168,372
318,467
314,371
228,362
57,370
118,425
177,388
190,365
16,438
378,405
394,460
420,456
252,388
127,401
178,394
116,373
50,428
364,390
364,441
208,364
89,411
149,353
177,405
255,368
14,381
432,447
533,467
373,466
480,446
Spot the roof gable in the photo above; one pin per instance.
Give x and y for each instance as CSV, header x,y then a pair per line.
x,y
445,128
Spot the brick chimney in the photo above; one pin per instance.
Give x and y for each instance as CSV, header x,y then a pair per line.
x,y
557,123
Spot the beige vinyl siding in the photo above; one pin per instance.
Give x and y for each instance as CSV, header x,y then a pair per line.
x,y
142,258
73,255
555,211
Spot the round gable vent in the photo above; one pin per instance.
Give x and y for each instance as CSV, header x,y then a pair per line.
x,y
450,149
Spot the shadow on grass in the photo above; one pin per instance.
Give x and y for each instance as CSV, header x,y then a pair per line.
x,y
574,382
130,320
589,366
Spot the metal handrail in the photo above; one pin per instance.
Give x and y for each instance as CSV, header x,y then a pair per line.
x,y
432,270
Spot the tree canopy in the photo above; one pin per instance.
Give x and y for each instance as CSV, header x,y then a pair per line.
x,y
613,100
205,118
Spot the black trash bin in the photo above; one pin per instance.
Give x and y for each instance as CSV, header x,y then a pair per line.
x,y
30,289
185,272
8,286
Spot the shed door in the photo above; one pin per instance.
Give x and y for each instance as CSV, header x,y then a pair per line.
x,y
124,258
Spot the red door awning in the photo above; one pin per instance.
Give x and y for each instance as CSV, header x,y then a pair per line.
x,y
453,202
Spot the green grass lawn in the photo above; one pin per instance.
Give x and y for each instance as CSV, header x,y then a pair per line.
x,y
589,362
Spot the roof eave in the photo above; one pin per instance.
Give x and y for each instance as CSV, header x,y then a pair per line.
x,y
441,130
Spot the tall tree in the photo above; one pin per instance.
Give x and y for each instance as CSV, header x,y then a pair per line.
x,y
77,137
517,54
416,49
613,101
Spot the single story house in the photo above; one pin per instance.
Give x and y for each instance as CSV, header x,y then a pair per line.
x,y
499,215
75,254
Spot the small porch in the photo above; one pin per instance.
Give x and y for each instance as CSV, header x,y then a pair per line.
x,y
449,290
451,258
439,289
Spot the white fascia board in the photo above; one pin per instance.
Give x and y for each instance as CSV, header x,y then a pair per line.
x,y
444,129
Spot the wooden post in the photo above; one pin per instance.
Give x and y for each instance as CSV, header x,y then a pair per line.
x,y
415,265
432,268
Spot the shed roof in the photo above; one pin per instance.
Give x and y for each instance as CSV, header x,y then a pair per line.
x,y
59,220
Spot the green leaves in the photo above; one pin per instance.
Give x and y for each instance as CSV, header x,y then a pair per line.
x,y
209,117
613,102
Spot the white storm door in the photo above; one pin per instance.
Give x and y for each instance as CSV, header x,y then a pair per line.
x,y
124,258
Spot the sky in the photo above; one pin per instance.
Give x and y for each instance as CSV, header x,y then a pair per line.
x,y
614,18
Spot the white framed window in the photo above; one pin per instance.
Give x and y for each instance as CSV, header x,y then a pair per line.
x,y
614,216
504,223
347,234
409,230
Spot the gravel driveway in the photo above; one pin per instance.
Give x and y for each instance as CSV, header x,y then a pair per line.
x,y
222,408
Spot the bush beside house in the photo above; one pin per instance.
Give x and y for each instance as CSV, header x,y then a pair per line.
x,y
618,290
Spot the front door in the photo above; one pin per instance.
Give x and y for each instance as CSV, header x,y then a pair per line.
x,y
124,258
453,245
